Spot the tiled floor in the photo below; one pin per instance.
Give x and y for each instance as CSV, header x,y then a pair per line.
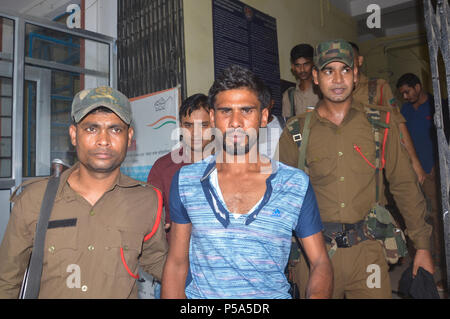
x,y
396,273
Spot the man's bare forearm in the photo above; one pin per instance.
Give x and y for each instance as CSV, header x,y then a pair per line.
x,y
173,281
320,284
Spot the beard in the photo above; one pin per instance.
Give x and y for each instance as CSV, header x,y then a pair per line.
x,y
242,147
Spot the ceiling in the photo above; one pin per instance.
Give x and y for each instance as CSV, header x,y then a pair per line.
x,y
397,16
49,9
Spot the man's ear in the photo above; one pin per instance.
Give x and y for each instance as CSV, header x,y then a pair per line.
x,y
315,74
130,135
292,69
418,87
265,116
360,61
73,134
211,117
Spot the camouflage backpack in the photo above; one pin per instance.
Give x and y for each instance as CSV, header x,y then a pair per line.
x,y
379,223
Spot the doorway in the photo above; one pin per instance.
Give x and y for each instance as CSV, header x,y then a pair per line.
x,y
43,64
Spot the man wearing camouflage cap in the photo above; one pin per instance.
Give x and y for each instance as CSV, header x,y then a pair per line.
x,y
341,159
96,234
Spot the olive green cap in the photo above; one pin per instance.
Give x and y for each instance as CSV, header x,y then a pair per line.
x,y
87,100
333,51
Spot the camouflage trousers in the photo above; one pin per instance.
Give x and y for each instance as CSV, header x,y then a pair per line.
x,y
360,272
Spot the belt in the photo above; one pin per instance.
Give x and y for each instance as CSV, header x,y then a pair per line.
x,y
345,235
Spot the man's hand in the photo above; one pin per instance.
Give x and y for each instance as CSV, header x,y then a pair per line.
x,y
423,259
420,172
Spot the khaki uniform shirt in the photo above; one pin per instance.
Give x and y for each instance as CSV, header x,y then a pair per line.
x,y
85,243
302,99
344,183
383,96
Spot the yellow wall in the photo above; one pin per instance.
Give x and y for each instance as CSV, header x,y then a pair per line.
x,y
391,57
298,21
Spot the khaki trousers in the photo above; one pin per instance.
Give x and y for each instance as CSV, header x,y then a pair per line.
x,y
360,272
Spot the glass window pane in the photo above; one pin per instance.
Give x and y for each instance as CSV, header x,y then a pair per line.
x,y
5,106
6,98
5,127
55,46
6,39
64,87
6,87
29,129
5,147
5,167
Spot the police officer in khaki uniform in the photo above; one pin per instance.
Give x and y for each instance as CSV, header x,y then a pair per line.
x,y
345,182
376,91
297,99
95,238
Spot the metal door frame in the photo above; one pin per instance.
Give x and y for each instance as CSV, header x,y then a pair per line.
x,y
19,61
43,78
437,22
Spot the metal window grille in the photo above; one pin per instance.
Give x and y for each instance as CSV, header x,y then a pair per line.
x,y
150,46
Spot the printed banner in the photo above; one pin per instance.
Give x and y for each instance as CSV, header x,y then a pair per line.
x,y
155,118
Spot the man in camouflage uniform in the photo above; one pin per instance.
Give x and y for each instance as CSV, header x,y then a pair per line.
x,y
340,158
97,232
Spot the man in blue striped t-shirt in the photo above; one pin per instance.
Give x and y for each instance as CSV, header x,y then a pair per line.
x,y
234,212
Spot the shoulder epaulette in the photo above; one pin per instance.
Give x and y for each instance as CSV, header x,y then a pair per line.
x,y
16,194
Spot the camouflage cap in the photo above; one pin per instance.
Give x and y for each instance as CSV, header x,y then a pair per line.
x,y
87,100
332,51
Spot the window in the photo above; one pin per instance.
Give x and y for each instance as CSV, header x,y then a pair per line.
x,y
150,46
6,95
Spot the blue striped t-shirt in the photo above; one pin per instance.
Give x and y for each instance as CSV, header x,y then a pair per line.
x,y
242,257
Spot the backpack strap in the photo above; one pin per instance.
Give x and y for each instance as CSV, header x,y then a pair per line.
x,y
294,128
291,92
372,89
302,150
32,281
374,118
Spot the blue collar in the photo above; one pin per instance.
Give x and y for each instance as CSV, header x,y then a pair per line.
x,y
221,213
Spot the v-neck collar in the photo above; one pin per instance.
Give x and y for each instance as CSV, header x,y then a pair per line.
x,y
219,207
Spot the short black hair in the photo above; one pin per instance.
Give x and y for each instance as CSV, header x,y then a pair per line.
x,y
303,50
193,103
238,77
408,79
354,46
